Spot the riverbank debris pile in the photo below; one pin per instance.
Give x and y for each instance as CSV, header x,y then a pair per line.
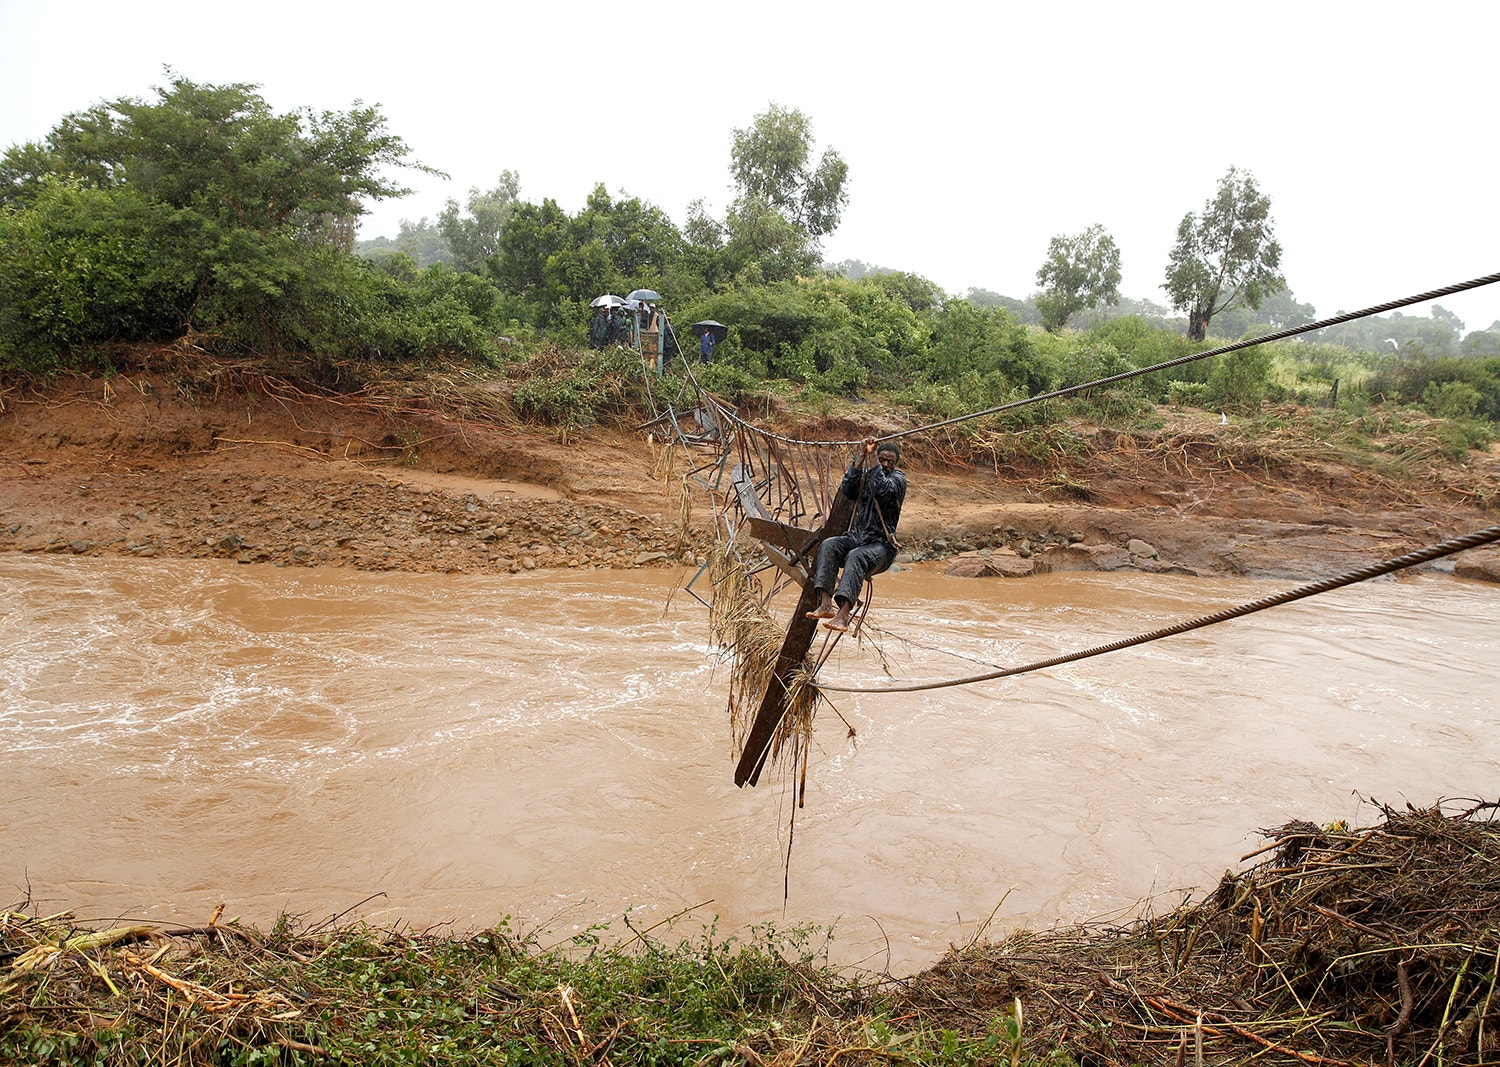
x,y
1344,946
1339,947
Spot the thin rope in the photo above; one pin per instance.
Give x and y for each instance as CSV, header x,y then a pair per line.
x,y
1280,335
1411,559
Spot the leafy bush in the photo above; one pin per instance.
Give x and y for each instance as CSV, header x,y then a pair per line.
x,y
80,267
576,390
1187,394
1238,381
1451,400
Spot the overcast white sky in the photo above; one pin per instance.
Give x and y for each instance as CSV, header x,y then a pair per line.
x,y
973,132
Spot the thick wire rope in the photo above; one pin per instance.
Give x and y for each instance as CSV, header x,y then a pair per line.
x,y
1486,536
1280,335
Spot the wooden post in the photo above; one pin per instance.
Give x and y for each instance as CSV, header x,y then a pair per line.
x,y
799,638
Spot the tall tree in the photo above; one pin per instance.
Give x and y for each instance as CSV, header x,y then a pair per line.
x,y
771,163
1081,271
784,202
474,236
1227,257
550,258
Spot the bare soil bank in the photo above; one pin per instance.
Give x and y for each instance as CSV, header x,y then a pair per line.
x,y
422,479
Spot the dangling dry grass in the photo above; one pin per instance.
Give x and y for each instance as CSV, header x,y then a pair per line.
x,y
665,457
740,625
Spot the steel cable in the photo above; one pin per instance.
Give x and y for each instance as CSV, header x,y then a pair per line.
x,y
1486,536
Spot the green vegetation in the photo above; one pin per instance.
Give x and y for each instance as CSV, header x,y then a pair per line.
x,y
203,220
232,997
1081,272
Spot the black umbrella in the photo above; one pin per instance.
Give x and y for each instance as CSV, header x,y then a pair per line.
x,y
608,300
718,329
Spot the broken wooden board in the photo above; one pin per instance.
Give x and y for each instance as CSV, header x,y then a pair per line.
x,y
783,546
789,539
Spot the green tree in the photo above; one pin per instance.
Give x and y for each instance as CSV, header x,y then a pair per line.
x,y
254,198
1482,343
764,245
555,260
771,164
1081,271
474,235
1226,257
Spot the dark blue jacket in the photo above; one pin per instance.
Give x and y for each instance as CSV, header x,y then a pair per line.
x,y
882,491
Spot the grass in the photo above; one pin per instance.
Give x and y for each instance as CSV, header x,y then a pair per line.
x,y
225,995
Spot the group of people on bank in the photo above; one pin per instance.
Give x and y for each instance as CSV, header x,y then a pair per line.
x,y
646,328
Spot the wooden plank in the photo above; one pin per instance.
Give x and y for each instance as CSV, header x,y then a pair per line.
x,y
780,535
757,518
799,638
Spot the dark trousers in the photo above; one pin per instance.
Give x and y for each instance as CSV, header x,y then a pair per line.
x,y
859,562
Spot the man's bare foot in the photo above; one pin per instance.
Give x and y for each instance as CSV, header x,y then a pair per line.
x,y
839,623
821,613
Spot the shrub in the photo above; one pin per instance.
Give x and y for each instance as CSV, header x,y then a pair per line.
x,y
1238,381
80,267
1187,394
576,390
1451,400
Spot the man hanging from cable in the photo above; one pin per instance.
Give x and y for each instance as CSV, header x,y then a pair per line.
x,y
870,545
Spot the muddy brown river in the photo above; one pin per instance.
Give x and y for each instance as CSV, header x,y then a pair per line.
x,y
552,747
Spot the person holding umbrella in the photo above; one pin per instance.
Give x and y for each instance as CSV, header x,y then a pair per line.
x,y
710,333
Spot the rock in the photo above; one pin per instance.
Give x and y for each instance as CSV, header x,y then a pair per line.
x,y
1136,547
313,524
528,563
80,546
301,552
1078,557
997,565
650,557
1485,568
